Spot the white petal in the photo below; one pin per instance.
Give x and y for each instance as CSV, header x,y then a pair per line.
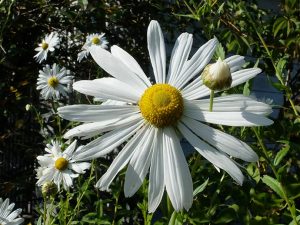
x,y
89,130
192,88
235,62
177,177
13,215
115,67
229,118
70,149
94,113
230,103
199,60
79,167
107,142
123,158
215,157
179,56
157,51
67,180
131,63
156,177
45,161
108,88
139,165
242,76
222,141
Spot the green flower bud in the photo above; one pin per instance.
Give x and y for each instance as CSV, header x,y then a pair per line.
x,y
49,189
217,76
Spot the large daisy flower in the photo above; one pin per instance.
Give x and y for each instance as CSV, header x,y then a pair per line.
x,y
49,43
92,39
158,115
54,82
7,216
60,166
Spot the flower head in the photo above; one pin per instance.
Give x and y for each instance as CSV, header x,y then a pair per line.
x,y
49,43
217,76
7,216
60,166
157,116
92,39
54,82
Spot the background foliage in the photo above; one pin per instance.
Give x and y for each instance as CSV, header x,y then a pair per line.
x,y
270,194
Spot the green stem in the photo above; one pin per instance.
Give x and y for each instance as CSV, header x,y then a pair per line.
x,y
173,218
116,207
169,207
266,156
45,210
76,209
211,100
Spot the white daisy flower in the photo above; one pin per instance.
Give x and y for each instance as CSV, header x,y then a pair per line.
x,y
60,166
7,216
158,115
49,43
92,39
54,82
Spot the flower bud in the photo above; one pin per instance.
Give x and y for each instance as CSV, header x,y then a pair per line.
x,y
217,76
49,189
28,107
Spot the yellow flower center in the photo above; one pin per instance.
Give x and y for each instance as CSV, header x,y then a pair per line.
x,y
96,41
44,45
161,105
61,164
53,81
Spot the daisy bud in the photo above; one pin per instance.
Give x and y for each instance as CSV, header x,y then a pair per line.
x,y
28,107
49,189
217,76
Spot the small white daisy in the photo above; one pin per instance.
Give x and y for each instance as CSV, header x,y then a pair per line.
x,y
60,166
49,43
92,39
7,216
54,82
158,115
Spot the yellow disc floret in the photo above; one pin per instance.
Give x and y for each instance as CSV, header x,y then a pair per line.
x,y
44,45
161,105
96,41
53,81
61,164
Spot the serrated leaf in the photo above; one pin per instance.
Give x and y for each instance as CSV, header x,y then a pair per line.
x,y
281,154
201,187
220,52
273,184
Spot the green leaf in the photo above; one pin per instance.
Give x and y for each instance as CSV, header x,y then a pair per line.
x,y
253,171
293,222
274,185
219,53
226,216
281,154
201,187
279,24
246,89
281,64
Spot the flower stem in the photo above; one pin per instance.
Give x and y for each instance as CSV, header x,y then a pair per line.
x,y
267,158
211,100
76,209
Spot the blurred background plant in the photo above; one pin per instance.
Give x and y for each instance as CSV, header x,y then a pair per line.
x,y
268,32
